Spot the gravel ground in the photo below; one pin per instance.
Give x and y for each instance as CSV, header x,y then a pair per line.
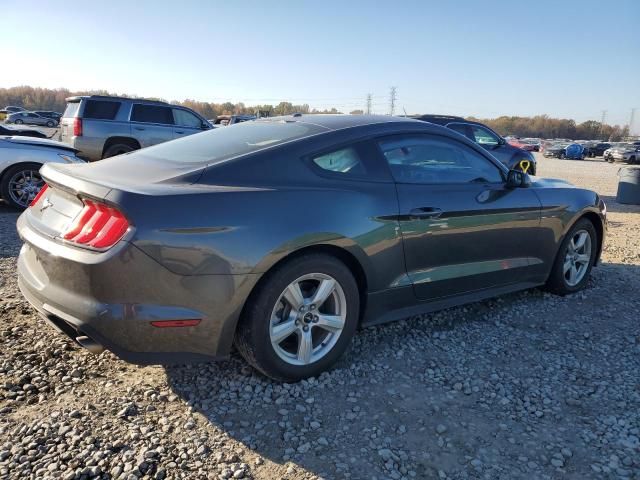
x,y
526,386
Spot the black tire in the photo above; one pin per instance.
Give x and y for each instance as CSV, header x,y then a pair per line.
x,y
118,149
557,282
50,124
252,337
18,122
562,156
6,178
632,160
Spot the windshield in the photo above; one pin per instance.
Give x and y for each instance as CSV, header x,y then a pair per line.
x,y
217,145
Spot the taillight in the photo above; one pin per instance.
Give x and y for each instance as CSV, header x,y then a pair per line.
x,y
77,127
40,194
97,225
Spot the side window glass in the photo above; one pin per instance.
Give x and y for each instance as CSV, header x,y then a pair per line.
x,y
459,127
345,161
102,110
484,136
431,160
151,114
186,119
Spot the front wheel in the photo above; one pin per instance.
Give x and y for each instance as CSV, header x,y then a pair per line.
x,y
20,185
18,122
50,124
562,156
301,319
575,259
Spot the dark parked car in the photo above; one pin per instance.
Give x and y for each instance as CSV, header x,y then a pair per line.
x,y
285,235
102,126
556,150
508,154
30,118
597,149
22,132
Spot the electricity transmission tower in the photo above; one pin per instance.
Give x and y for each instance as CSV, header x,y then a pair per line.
x,y
369,103
392,100
604,116
631,118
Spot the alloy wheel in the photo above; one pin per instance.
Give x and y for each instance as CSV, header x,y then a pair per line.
x,y
24,186
308,318
577,258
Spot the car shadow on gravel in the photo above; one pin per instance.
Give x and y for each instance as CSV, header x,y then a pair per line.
x,y
426,394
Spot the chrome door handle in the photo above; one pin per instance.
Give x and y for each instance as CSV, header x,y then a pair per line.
x,y
425,212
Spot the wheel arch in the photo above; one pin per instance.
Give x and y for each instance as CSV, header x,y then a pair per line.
x,y
345,255
115,140
598,224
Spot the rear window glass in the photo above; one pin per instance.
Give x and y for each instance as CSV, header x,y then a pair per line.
x,y
71,110
103,110
220,144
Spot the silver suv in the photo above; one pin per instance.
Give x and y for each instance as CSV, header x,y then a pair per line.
x,y
101,126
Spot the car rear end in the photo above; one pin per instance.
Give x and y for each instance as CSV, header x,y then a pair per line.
x,y
82,268
88,122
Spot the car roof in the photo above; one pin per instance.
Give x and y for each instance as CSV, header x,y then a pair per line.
x,y
338,121
78,98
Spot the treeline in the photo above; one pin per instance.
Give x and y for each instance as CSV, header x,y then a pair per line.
x,y
54,99
542,126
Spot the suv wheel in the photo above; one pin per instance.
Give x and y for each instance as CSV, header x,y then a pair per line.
x,y
50,124
117,149
301,320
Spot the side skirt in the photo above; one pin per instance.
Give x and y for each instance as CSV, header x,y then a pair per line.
x,y
399,303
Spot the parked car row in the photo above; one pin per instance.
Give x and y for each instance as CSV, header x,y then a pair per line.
x,y
20,116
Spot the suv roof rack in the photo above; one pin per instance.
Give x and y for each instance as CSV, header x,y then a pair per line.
x,y
436,117
77,98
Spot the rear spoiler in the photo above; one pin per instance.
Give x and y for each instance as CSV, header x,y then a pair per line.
x,y
54,174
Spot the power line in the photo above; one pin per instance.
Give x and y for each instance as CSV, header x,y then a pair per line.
x,y
392,100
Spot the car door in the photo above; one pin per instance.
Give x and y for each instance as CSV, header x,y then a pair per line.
x,y
151,124
463,229
186,123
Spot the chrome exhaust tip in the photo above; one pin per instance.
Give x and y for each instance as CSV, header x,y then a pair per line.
x,y
90,344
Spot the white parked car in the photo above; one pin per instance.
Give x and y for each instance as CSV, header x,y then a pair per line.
x,y
20,161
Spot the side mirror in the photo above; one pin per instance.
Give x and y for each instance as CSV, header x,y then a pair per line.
x,y
518,179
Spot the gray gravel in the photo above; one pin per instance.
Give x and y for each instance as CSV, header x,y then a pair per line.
x,y
526,386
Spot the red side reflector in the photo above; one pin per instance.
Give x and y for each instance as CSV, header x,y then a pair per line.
x,y
97,225
176,323
40,194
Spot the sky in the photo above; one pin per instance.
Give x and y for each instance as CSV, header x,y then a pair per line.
x,y
568,59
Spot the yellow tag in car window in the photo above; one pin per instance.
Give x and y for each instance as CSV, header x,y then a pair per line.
x,y
524,165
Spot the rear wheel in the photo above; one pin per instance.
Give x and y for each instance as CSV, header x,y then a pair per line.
x,y
117,149
562,156
18,122
575,259
20,184
50,124
301,319
632,160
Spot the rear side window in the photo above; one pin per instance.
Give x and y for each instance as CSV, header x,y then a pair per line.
x,y
100,109
344,161
484,136
71,110
151,114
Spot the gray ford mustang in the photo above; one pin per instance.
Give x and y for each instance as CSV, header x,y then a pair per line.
x,y
284,235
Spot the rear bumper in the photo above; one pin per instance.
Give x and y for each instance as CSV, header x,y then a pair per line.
x,y
112,298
